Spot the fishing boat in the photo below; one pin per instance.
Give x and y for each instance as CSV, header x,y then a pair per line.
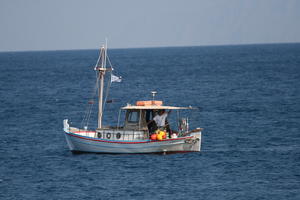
x,y
140,132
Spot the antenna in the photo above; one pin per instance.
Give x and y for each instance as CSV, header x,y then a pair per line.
x,y
153,94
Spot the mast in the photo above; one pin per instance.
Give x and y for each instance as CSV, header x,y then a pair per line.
x,y
102,69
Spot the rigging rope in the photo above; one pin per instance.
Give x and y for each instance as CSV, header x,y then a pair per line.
x,y
108,86
87,116
90,105
88,112
109,62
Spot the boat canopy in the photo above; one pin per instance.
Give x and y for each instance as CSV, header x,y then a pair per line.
x,y
154,107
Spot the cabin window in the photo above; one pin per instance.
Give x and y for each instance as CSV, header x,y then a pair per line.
x,y
133,117
149,115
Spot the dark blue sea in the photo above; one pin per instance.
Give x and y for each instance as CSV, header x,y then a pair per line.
x,y
248,100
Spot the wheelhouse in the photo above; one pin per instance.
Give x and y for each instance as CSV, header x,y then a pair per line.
x,y
138,124
140,117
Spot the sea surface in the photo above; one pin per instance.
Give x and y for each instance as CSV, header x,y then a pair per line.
x,y
248,100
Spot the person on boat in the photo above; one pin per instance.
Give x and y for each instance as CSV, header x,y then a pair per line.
x,y
152,127
161,120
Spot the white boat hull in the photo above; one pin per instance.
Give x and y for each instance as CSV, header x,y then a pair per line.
x,y
79,143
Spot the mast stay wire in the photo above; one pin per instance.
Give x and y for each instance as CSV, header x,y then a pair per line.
x,y
88,112
89,109
108,85
92,103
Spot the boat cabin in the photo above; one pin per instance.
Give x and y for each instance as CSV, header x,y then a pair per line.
x,y
138,123
140,116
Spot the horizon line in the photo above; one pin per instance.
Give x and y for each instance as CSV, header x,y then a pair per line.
x,y
149,47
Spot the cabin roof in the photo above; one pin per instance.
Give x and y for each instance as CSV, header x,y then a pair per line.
x,y
154,107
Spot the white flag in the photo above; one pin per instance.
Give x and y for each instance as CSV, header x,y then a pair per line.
x,y
115,78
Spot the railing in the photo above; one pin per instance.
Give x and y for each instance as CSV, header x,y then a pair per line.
x,y
125,135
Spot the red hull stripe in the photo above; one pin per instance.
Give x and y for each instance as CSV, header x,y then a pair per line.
x,y
113,141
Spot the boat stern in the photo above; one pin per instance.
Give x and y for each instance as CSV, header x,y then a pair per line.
x,y
195,142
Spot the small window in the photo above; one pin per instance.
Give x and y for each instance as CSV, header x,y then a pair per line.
x,y
149,115
133,117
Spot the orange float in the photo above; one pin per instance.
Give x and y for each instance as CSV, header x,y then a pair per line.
x,y
163,134
159,137
153,136
149,103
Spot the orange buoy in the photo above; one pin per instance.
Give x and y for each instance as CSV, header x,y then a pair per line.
x,y
163,134
159,137
154,136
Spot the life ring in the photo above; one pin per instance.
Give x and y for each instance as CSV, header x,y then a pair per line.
x,y
108,135
118,135
99,134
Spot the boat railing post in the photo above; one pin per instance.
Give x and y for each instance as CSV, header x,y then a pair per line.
x,y
147,134
178,123
133,135
118,125
140,119
187,125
